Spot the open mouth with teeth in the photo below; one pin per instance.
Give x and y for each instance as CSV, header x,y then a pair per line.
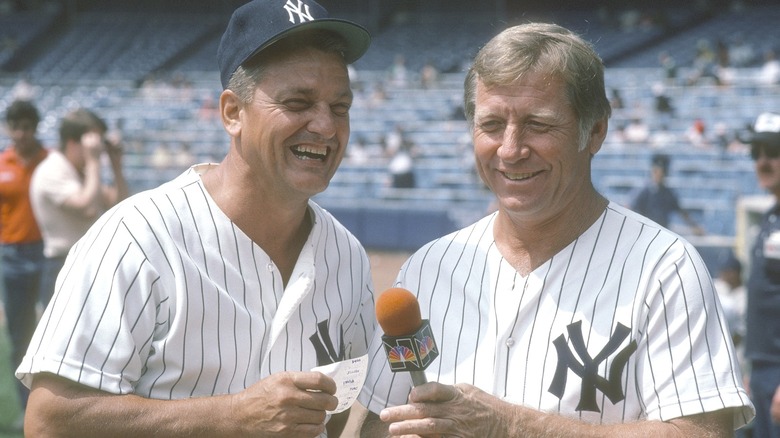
x,y
311,152
519,176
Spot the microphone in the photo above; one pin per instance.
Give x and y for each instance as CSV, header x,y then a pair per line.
x,y
408,339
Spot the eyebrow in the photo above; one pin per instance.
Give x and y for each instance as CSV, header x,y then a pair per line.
x,y
539,114
309,91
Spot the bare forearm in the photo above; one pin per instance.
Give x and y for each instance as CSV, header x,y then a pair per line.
x,y
62,409
283,404
84,200
709,425
121,189
508,420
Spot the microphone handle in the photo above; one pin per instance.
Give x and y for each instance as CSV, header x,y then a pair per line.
x,y
418,378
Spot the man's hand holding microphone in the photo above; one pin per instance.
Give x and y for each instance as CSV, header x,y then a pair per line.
x,y
434,409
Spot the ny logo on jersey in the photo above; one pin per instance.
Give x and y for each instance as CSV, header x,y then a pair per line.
x,y
301,9
323,345
588,369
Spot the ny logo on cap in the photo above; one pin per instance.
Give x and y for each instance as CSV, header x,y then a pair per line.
x,y
302,10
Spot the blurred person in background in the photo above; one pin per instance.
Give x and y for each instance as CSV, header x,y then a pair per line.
x,y
67,191
733,298
769,74
657,201
762,339
401,165
20,238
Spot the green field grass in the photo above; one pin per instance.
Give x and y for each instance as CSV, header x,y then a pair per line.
x,y
9,402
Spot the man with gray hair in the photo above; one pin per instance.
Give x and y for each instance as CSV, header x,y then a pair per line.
x,y
562,313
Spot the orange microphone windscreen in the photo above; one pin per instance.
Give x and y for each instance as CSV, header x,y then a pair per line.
x,y
398,312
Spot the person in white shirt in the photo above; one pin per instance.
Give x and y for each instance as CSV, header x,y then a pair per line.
x,y
68,192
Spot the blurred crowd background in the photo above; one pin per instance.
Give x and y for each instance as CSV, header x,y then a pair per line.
x,y
686,80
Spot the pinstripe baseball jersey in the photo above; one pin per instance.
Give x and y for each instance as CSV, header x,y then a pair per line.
x,y
621,325
166,298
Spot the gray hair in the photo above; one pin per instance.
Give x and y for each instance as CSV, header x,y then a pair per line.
x,y
250,73
543,47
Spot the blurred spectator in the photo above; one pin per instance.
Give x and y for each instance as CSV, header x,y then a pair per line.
x,y
704,64
616,99
393,140
722,136
67,192
662,103
662,137
429,75
657,201
696,134
733,298
161,157
636,131
357,153
402,153
20,238
401,167
770,70
399,75
741,52
669,67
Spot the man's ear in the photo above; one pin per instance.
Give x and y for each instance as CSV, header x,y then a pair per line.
x,y
230,107
597,135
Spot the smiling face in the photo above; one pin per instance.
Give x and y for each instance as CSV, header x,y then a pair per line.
x,y
528,147
293,132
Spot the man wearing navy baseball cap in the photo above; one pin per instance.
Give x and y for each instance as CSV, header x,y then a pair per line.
x,y
259,24
762,340
206,306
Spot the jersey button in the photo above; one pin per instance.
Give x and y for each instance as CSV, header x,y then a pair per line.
x,y
270,267
510,342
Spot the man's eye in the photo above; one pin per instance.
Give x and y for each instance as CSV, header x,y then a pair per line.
x,y
297,104
538,127
341,109
490,125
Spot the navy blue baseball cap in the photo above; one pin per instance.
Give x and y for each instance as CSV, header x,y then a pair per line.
x,y
260,23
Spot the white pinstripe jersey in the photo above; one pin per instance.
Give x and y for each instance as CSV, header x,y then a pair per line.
x,y
166,298
552,340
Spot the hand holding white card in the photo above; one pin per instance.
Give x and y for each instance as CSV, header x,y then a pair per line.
x,y
349,376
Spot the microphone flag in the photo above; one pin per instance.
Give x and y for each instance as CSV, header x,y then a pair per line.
x,y
412,352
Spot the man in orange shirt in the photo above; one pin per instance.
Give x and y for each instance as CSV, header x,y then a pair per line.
x,y
21,245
